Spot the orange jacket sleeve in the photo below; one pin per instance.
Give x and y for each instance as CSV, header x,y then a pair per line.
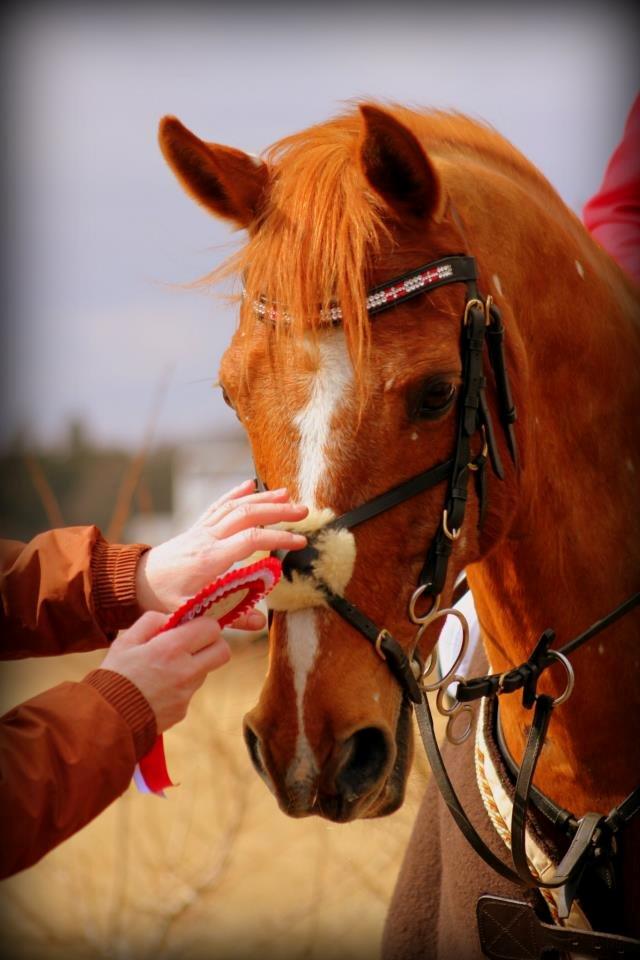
x,y
66,591
67,754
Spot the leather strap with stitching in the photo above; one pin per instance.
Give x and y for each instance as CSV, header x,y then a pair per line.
x,y
510,930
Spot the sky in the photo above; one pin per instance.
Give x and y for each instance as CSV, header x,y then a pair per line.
x,y
100,242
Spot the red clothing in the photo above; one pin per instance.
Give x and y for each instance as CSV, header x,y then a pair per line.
x,y
66,754
612,216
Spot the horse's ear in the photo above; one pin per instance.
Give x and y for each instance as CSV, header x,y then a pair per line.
x,y
397,167
228,182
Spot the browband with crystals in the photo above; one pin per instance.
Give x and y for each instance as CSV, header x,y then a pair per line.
x,y
428,277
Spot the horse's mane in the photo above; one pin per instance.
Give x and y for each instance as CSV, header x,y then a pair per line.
x,y
323,227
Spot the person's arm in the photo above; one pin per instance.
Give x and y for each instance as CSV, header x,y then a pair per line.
x,y
68,753
70,590
66,591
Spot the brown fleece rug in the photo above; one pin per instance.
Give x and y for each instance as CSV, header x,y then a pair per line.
x,y
432,915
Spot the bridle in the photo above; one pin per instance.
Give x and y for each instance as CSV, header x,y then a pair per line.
x,y
481,323
591,837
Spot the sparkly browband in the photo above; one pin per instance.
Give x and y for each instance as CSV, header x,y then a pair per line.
x,y
454,269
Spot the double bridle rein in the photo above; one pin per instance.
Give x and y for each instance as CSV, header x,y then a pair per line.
x,y
593,836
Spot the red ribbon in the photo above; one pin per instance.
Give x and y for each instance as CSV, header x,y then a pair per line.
x,y
252,583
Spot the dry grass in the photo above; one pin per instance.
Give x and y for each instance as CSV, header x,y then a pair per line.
x,y
214,871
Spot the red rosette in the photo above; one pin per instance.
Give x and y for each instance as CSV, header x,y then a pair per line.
x,y
226,599
253,583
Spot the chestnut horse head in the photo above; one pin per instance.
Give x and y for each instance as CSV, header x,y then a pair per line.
x,y
343,402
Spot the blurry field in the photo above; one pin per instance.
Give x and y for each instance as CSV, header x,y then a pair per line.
x,y
214,871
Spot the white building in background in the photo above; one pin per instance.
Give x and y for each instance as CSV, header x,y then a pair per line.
x,y
202,471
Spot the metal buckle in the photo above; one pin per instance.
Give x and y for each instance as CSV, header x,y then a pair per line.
x,y
485,306
450,534
378,644
472,465
487,309
474,302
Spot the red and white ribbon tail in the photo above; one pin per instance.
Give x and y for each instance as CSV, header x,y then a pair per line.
x,y
225,599
151,774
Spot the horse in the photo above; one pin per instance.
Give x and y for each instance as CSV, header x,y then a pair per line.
x,y
384,249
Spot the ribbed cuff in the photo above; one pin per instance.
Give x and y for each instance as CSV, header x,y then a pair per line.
x,y
132,706
113,577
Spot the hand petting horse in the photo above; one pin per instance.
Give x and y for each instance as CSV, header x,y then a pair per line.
x,y
409,281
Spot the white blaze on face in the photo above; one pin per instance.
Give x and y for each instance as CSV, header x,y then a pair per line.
x,y
331,382
330,386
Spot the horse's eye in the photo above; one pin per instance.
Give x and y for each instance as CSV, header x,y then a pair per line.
x,y
436,397
227,400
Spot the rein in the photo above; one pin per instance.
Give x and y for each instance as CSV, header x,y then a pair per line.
x,y
592,837
593,834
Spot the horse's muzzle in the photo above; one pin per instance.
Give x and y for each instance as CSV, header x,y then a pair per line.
x,y
355,780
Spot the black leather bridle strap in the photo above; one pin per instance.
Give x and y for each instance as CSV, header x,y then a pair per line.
x,y
391,498
574,861
472,414
570,868
506,406
386,646
558,816
624,812
602,624
450,797
468,417
590,828
542,657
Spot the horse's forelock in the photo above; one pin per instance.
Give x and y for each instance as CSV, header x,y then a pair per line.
x,y
323,230
320,234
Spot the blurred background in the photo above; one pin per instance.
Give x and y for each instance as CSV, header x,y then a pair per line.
x,y
110,414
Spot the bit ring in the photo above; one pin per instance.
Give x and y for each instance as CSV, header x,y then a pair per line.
x,y
571,677
435,606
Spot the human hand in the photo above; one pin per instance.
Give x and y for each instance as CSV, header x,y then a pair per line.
x,y
168,667
229,531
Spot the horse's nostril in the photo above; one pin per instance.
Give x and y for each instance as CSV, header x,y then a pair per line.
x,y
364,757
253,746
